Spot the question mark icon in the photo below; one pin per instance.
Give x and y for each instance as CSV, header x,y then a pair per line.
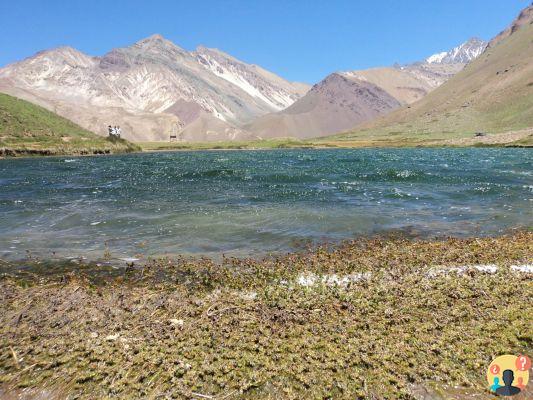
x,y
495,369
523,363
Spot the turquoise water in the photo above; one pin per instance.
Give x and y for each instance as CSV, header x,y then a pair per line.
x,y
255,202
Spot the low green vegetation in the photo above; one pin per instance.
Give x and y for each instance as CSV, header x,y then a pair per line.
x,y
28,129
393,139
280,143
277,328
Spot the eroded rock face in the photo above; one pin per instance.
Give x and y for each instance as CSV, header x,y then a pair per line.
x,y
151,89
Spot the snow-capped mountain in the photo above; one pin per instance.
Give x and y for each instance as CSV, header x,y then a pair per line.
x,y
345,99
463,53
152,88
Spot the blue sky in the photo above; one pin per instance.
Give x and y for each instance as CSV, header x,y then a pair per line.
x,y
297,39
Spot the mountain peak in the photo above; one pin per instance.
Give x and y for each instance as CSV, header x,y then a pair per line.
x,y
156,41
463,54
63,55
156,37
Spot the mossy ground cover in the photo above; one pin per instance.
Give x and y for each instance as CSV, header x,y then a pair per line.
x,y
245,328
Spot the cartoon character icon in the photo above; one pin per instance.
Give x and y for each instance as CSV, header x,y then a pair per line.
x,y
508,375
496,384
508,389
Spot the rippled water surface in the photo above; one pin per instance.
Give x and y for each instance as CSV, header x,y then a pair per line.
x,y
255,202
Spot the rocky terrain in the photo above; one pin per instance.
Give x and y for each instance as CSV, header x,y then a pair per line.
x,y
524,18
151,89
337,103
462,54
154,89
493,94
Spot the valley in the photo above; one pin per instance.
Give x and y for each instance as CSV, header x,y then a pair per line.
x,y
182,222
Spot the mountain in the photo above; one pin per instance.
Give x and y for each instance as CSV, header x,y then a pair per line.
x,y
334,104
494,93
345,99
151,89
464,53
524,18
26,128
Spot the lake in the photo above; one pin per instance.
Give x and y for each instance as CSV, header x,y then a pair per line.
x,y
255,202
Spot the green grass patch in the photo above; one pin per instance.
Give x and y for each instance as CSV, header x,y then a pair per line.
x,y
28,129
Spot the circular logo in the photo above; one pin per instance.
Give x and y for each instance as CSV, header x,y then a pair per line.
x,y
508,375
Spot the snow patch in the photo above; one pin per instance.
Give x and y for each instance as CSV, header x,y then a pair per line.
x,y
526,268
487,269
308,279
436,58
278,101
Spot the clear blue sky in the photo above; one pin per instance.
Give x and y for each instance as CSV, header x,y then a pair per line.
x,y
301,40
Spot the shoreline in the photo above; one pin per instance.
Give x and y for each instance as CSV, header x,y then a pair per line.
x,y
520,139
367,318
212,149
113,257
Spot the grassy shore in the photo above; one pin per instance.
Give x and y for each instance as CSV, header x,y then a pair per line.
x,y
376,319
521,138
281,143
30,130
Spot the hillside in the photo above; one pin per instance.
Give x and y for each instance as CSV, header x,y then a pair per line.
x,y
346,99
151,89
27,129
492,94
332,105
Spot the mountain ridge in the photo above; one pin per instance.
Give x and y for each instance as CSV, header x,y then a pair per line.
x,y
493,94
464,53
152,76
391,87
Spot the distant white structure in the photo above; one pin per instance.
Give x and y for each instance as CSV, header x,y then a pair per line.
x,y
173,137
114,131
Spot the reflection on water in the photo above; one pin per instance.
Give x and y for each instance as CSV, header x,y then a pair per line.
x,y
253,202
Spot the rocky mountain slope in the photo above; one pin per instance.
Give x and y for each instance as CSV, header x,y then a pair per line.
x,y
152,88
336,103
345,99
494,93
464,53
524,18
